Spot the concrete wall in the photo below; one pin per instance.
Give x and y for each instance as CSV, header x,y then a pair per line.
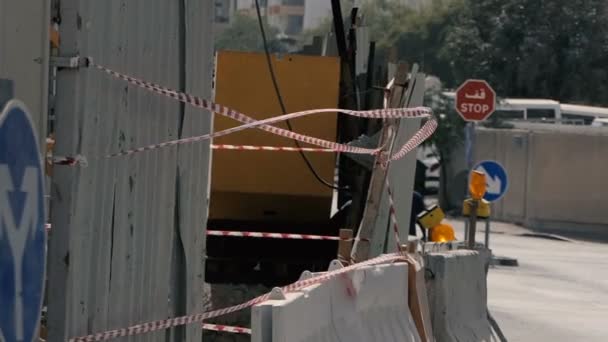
x,y
557,176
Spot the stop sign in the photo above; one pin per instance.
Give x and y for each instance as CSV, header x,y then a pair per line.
x,y
475,100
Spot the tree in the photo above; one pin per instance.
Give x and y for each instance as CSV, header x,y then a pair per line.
x,y
244,35
556,49
448,136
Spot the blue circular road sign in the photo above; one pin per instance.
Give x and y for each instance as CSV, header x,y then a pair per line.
x,y
496,179
22,236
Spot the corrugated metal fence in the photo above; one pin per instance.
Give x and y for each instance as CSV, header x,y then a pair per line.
x,y
127,242
24,48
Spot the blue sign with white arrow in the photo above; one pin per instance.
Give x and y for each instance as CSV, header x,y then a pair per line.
x,y
496,179
22,236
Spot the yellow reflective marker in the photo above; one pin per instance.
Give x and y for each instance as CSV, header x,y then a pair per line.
x,y
483,208
431,217
442,233
477,185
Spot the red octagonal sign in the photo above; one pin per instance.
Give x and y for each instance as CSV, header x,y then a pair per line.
x,y
475,100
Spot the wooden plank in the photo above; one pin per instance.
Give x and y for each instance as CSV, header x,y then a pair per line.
x,y
365,235
402,172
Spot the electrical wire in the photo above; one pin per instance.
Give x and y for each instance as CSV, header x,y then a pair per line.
x,y
282,103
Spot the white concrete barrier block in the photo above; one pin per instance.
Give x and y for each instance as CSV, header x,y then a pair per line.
x,y
458,296
369,304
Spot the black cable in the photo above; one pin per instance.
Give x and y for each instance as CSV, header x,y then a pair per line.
x,y
282,104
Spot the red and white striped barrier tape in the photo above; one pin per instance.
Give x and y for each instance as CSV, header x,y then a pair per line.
x,y
226,328
393,214
82,161
263,235
423,133
196,318
271,235
270,148
420,112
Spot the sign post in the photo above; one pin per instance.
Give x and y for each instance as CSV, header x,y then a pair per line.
x,y
497,184
475,101
22,236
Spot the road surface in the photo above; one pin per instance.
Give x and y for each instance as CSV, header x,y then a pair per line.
x,y
559,291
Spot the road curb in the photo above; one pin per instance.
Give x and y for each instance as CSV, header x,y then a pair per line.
x,y
546,236
504,261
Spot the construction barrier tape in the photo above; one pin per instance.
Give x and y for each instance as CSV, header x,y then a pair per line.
x,y
420,112
393,215
423,133
231,233
226,328
178,321
271,148
271,235
82,161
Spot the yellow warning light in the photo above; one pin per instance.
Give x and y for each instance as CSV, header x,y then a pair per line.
x,y
442,233
477,186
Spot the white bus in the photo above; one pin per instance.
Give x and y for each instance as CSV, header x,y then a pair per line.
x,y
548,111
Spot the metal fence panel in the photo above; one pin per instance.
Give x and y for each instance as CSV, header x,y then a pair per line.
x,y
24,42
127,239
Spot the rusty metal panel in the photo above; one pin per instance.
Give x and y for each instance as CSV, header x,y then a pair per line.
x,y
24,42
127,242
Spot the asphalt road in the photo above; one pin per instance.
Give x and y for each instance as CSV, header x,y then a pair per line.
x,y
559,291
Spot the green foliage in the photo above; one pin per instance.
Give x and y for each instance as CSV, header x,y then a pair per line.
x,y
450,131
524,48
244,35
415,35
556,49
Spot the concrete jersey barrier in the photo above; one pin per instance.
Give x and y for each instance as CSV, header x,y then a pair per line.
x,y
457,293
369,304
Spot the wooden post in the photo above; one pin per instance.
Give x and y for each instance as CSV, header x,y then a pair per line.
x,y
345,245
411,246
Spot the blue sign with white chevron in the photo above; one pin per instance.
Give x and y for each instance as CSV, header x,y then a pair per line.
x,y
496,179
22,235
